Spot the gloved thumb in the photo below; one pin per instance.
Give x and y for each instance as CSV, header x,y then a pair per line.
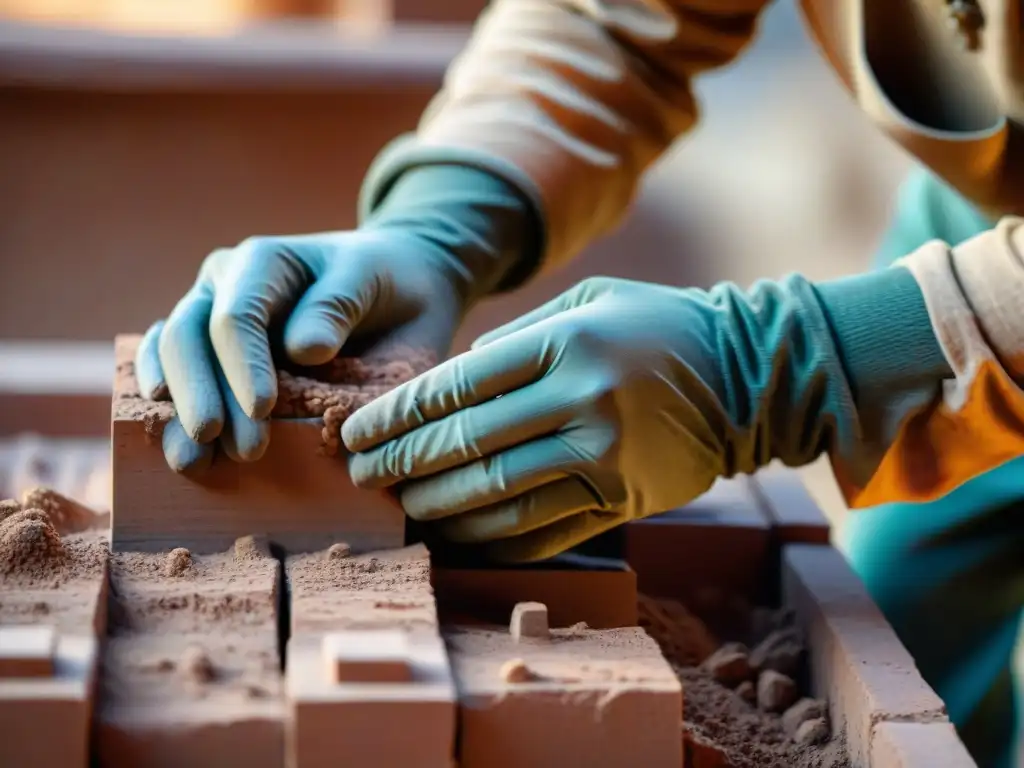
x,y
329,311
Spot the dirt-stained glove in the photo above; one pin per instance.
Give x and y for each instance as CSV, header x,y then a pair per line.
x,y
445,236
621,399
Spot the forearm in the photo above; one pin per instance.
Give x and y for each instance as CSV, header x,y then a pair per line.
x,y
570,102
905,377
479,224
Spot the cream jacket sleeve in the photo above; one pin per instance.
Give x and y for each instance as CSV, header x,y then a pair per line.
x,y
571,101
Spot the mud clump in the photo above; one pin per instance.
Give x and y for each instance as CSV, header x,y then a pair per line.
x,y
250,549
334,391
178,562
196,666
338,551
66,515
29,544
516,671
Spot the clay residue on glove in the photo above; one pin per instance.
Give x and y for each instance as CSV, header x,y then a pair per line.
x,y
331,392
334,391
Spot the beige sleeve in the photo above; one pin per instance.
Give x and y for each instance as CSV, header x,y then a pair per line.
x,y
975,299
571,101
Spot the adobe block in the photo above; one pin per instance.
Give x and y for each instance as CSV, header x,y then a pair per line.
x,y
27,651
192,665
858,663
605,697
721,541
918,745
367,677
298,494
602,598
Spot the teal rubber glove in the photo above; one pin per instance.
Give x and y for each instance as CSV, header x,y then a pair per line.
x,y
620,399
443,237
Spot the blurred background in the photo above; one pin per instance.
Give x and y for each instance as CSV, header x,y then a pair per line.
x,y
138,135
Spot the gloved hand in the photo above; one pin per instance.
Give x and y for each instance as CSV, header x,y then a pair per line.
x,y
445,236
620,399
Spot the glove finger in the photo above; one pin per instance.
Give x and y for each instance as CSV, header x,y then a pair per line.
x,y
253,288
243,439
465,436
493,480
182,453
527,512
557,305
555,539
149,373
328,312
462,382
188,366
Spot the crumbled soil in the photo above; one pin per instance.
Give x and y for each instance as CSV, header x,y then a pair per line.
x,y
376,590
178,592
721,727
46,577
331,392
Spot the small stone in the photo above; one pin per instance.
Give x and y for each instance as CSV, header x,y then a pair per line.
x,y
339,551
529,620
729,665
804,710
775,691
812,732
780,651
516,671
178,561
747,692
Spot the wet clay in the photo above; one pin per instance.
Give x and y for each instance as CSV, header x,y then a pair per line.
x,y
377,590
46,577
331,392
191,669
722,723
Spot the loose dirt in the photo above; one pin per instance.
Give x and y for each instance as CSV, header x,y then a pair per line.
x,y
376,590
46,577
331,392
722,727
192,644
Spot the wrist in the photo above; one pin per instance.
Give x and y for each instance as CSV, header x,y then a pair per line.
x,y
883,333
475,222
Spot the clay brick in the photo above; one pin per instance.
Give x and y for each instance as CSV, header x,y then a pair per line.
x,y
602,598
295,495
857,663
367,657
27,652
529,620
918,745
795,517
605,697
70,597
61,704
381,605
721,540
191,667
